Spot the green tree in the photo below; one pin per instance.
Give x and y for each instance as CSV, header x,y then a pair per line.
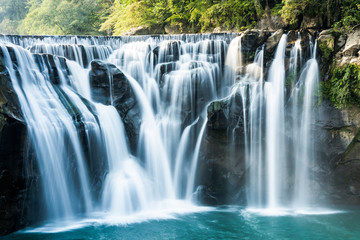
x,y
12,12
69,17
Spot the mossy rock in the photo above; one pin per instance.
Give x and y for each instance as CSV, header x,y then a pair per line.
x,y
326,45
343,87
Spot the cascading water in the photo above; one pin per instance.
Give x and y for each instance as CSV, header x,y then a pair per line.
x,y
307,85
275,129
173,79
273,123
53,133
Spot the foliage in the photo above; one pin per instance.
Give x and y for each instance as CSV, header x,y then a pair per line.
x,y
344,86
186,14
229,14
11,14
294,10
94,17
69,17
135,13
350,10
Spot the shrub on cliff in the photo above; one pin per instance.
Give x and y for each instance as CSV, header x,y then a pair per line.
x,y
343,88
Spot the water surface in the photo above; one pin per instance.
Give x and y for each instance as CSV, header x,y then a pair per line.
x,y
219,223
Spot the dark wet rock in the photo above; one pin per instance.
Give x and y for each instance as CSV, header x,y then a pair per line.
x,y
204,195
48,63
273,41
162,69
167,51
194,101
122,95
251,41
18,178
225,114
221,161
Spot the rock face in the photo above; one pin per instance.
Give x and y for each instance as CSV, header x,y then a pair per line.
x,y
110,86
273,41
311,23
344,48
339,129
220,172
18,178
276,22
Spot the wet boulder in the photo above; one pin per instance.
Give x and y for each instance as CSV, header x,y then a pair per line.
x,y
109,85
253,39
273,41
221,171
162,69
167,51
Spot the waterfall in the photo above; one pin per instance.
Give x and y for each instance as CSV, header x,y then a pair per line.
x,y
82,141
53,133
82,146
307,84
275,123
275,129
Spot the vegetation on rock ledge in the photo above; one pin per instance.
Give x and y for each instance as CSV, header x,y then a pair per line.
x,y
343,88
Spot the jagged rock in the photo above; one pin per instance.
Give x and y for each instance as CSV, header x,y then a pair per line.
x,y
273,41
352,46
225,114
276,22
123,97
311,23
347,48
253,39
341,41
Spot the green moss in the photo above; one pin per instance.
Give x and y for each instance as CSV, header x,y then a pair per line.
x,y
343,88
326,48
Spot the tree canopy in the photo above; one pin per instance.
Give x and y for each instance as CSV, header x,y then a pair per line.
x,y
96,17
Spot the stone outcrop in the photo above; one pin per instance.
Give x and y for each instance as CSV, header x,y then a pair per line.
x,y
343,48
18,178
220,171
338,148
110,86
273,41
